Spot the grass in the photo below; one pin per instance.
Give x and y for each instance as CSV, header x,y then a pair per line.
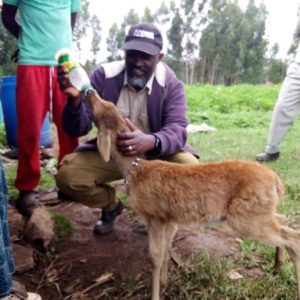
x,y
63,227
47,181
241,114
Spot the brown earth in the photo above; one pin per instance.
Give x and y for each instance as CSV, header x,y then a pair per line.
x,y
120,259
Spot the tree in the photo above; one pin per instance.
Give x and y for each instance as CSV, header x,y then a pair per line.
x,y
117,35
219,50
175,36
148,16
254,43
275,68
232,46
87,33
114,43
82,24
162,15
96,39
183,35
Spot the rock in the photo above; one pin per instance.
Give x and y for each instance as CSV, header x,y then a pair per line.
x,y
39,229
82,217
23,258
15,221
254,273
49,197
234,275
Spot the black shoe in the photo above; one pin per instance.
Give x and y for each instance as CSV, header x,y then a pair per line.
x,y
106,223
265,157
27,202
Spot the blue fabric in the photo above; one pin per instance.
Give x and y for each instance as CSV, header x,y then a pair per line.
x,y
7,266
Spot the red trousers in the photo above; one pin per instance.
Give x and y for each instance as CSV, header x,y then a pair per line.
x,y
37,92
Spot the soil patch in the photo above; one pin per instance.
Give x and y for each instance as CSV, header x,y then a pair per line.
x,y
118,259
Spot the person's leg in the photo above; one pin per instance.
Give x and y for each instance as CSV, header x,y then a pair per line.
x,y
66,143
286,108
182,157
32,104
6,259
84,177
9,288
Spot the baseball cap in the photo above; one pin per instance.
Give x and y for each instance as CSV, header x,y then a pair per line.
x,y
144,37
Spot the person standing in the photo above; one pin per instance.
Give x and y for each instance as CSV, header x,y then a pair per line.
x,y
286,108
42,28
146,92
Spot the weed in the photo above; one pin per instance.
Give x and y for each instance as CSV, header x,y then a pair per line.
x,y
63,227
3,140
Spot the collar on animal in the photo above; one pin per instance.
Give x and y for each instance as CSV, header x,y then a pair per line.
x,y
134,164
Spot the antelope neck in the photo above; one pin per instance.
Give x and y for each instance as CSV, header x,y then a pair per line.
x,y
134,164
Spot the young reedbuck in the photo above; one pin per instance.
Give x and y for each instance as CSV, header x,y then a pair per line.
x,y
242,193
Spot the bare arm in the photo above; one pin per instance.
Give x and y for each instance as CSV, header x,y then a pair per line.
x,y
73,20
9,19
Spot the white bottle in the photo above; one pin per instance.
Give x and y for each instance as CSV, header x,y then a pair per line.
x,y
78,77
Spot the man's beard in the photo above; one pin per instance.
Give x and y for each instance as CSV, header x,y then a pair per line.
x,y
138,82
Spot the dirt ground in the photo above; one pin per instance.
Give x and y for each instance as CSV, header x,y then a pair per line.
x,y
90,267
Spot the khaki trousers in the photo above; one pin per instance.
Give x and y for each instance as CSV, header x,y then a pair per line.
x,y
85,176
286,109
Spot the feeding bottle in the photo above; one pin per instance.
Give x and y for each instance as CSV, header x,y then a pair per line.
x,y
78,77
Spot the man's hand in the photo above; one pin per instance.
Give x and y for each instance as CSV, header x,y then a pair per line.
x,y
65,85
135,142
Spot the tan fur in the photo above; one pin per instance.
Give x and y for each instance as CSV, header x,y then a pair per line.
x,y
242,193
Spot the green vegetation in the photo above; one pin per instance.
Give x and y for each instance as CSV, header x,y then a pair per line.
x,y
47,181
237,106
3,140
205,277
63,227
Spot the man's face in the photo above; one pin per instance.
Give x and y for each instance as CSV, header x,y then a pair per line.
x,y
139,67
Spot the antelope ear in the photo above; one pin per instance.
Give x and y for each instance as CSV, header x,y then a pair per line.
x,y
103,144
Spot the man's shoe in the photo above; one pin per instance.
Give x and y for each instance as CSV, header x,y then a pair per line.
x,y
30,296
106,223
27,202
33,296
18,292
265,157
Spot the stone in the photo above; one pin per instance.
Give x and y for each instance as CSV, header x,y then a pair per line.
x,y
23,257
39,229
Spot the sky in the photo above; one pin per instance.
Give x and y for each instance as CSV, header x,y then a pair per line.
x,y
280,23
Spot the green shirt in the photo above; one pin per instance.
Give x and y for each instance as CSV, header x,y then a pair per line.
x,y
45,28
